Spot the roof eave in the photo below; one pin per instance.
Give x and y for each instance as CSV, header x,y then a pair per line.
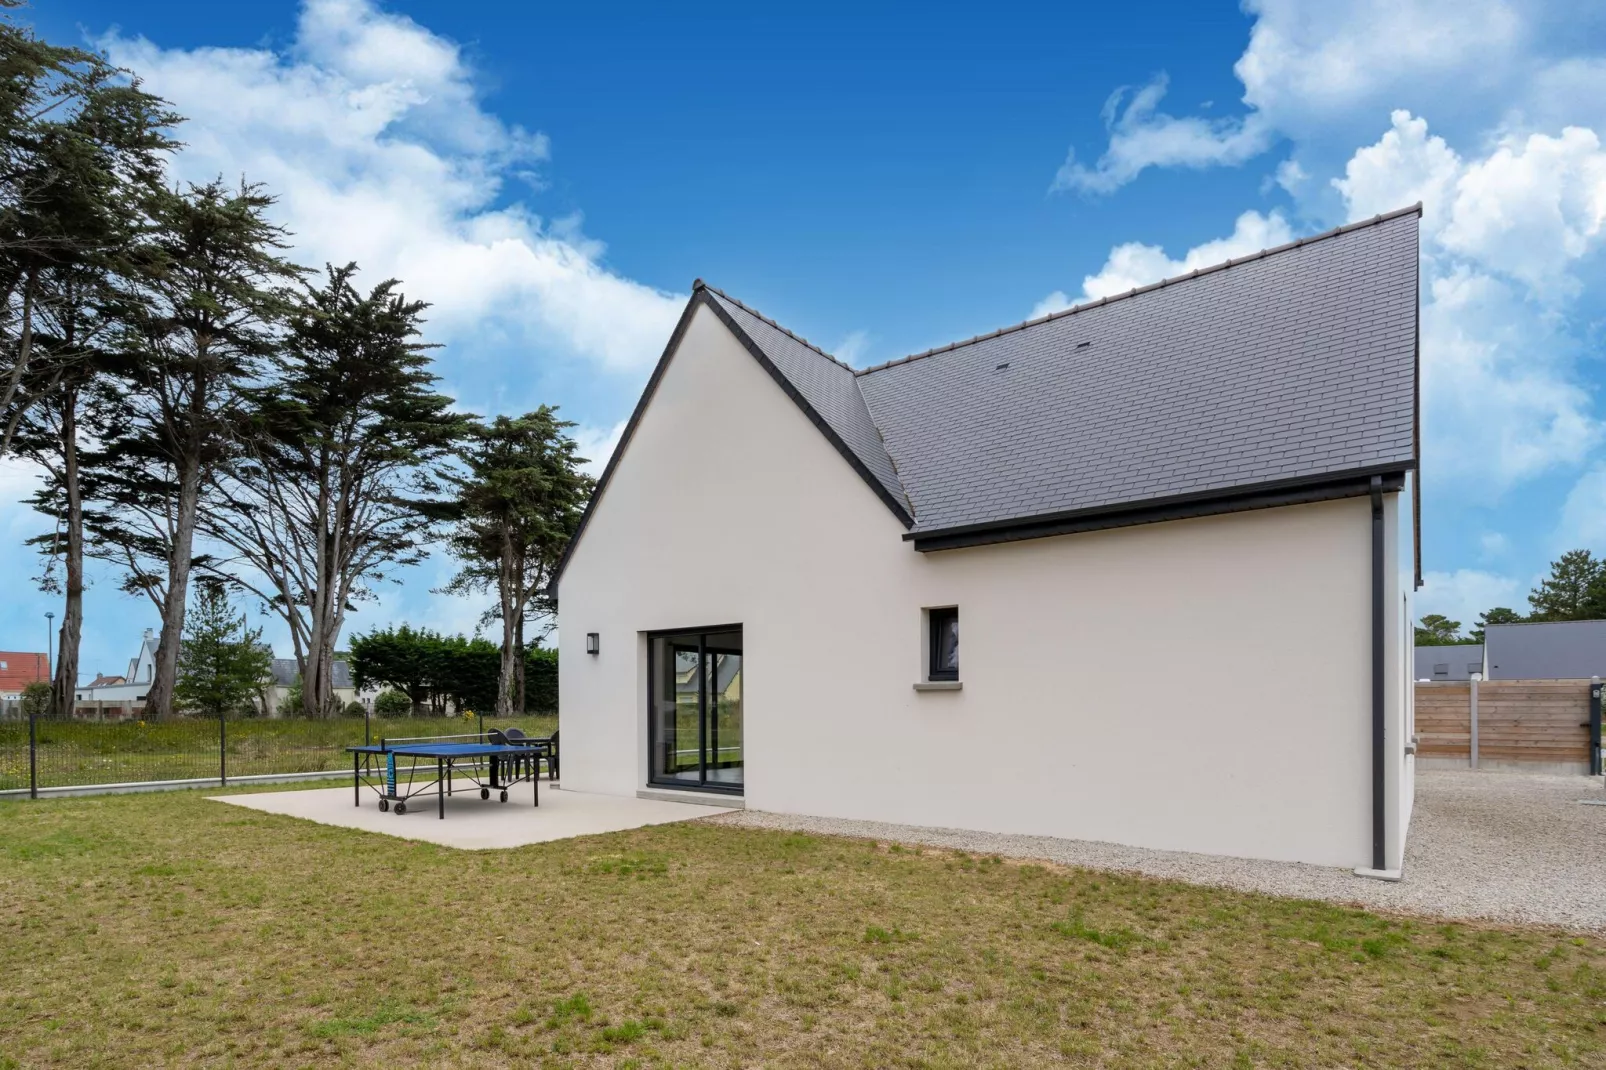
x,y
1327,486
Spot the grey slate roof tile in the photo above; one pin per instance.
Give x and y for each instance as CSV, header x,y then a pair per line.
x,y
1298,363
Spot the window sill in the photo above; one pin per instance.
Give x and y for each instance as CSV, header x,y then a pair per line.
x,y
939,685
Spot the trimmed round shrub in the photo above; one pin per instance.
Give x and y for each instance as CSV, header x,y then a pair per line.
x,y
354,709
393,704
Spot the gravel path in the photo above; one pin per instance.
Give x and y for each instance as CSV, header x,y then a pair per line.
x,y
1499,846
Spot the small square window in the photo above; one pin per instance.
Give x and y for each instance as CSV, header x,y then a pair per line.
x,y
943,627
1441,668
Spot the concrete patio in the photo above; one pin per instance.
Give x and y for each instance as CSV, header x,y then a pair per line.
x,y
475,824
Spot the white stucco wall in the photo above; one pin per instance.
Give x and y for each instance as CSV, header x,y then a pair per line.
x,y
1120,685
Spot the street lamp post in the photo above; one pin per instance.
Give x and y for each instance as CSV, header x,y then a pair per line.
x,y
50,638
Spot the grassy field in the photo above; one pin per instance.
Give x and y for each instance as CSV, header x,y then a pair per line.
x,y
168,930
87,752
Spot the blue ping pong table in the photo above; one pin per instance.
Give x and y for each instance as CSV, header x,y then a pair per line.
x,y
399,770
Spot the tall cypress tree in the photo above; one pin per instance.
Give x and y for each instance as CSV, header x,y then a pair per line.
x,y
339,478
77,141
520,503
202,308
76,207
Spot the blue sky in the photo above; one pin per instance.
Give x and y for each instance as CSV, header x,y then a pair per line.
x,y
881,182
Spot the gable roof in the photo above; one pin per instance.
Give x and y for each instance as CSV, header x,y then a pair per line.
x,y
1293,364
827,390
18,669
1285,376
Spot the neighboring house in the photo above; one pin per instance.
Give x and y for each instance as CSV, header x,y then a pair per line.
x,y
1133,511
1550,650
18,669
1449,662
132,686
286,673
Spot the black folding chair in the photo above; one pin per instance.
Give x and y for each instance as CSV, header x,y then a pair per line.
x,y
539,748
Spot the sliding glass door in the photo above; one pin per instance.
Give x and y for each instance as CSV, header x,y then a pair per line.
x,y
694,709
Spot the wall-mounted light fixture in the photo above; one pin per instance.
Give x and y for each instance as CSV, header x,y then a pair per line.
x,y
591,642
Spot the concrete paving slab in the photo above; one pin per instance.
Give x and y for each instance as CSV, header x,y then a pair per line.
x,y
473,823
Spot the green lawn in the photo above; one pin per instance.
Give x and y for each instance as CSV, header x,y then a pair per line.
x,y
87,752
166,930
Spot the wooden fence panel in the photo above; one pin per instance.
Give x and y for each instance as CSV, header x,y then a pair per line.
x,y
1518,720
1442,721
1534,720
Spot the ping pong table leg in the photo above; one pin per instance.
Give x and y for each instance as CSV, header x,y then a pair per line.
x,y
356,779
441,772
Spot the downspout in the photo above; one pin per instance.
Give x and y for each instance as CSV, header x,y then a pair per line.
x,y
1379,690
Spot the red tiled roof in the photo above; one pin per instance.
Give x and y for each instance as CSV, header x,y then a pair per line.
x,y
18,669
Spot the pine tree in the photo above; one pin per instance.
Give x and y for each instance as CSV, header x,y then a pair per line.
x,y
1497,615
520,504
1435,629
1564,594
223,662
340,473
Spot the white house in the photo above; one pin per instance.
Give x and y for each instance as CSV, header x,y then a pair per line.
x,y
134,684
1133,511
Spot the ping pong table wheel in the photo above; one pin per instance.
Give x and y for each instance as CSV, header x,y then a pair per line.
x,y
401,808
485,793
504,796
384,804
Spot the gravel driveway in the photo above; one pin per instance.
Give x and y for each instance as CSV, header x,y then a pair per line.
x,y
1502,846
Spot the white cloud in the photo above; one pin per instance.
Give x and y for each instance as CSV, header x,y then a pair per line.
x,y
597,445
369,131
1493,544
1309,62
1532,208
1500,400
1311,66
1291,176
1503,237
1136,264
1142,137
1403,167
1054,302
1466,594
1583,517
853,347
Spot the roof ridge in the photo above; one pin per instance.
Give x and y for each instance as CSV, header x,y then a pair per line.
x,y
699,284
1297,243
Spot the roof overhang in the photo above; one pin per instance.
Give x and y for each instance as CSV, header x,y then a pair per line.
x,y
1356,483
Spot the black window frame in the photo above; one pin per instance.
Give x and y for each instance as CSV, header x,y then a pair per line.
x,y
936,618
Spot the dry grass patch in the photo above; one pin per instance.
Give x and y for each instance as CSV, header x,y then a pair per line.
x,y
168,930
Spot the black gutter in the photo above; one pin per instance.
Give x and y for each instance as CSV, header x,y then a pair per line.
x,y
1327,487
1379,690
1594,729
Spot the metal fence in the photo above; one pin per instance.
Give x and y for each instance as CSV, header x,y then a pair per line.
x,y
115,746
